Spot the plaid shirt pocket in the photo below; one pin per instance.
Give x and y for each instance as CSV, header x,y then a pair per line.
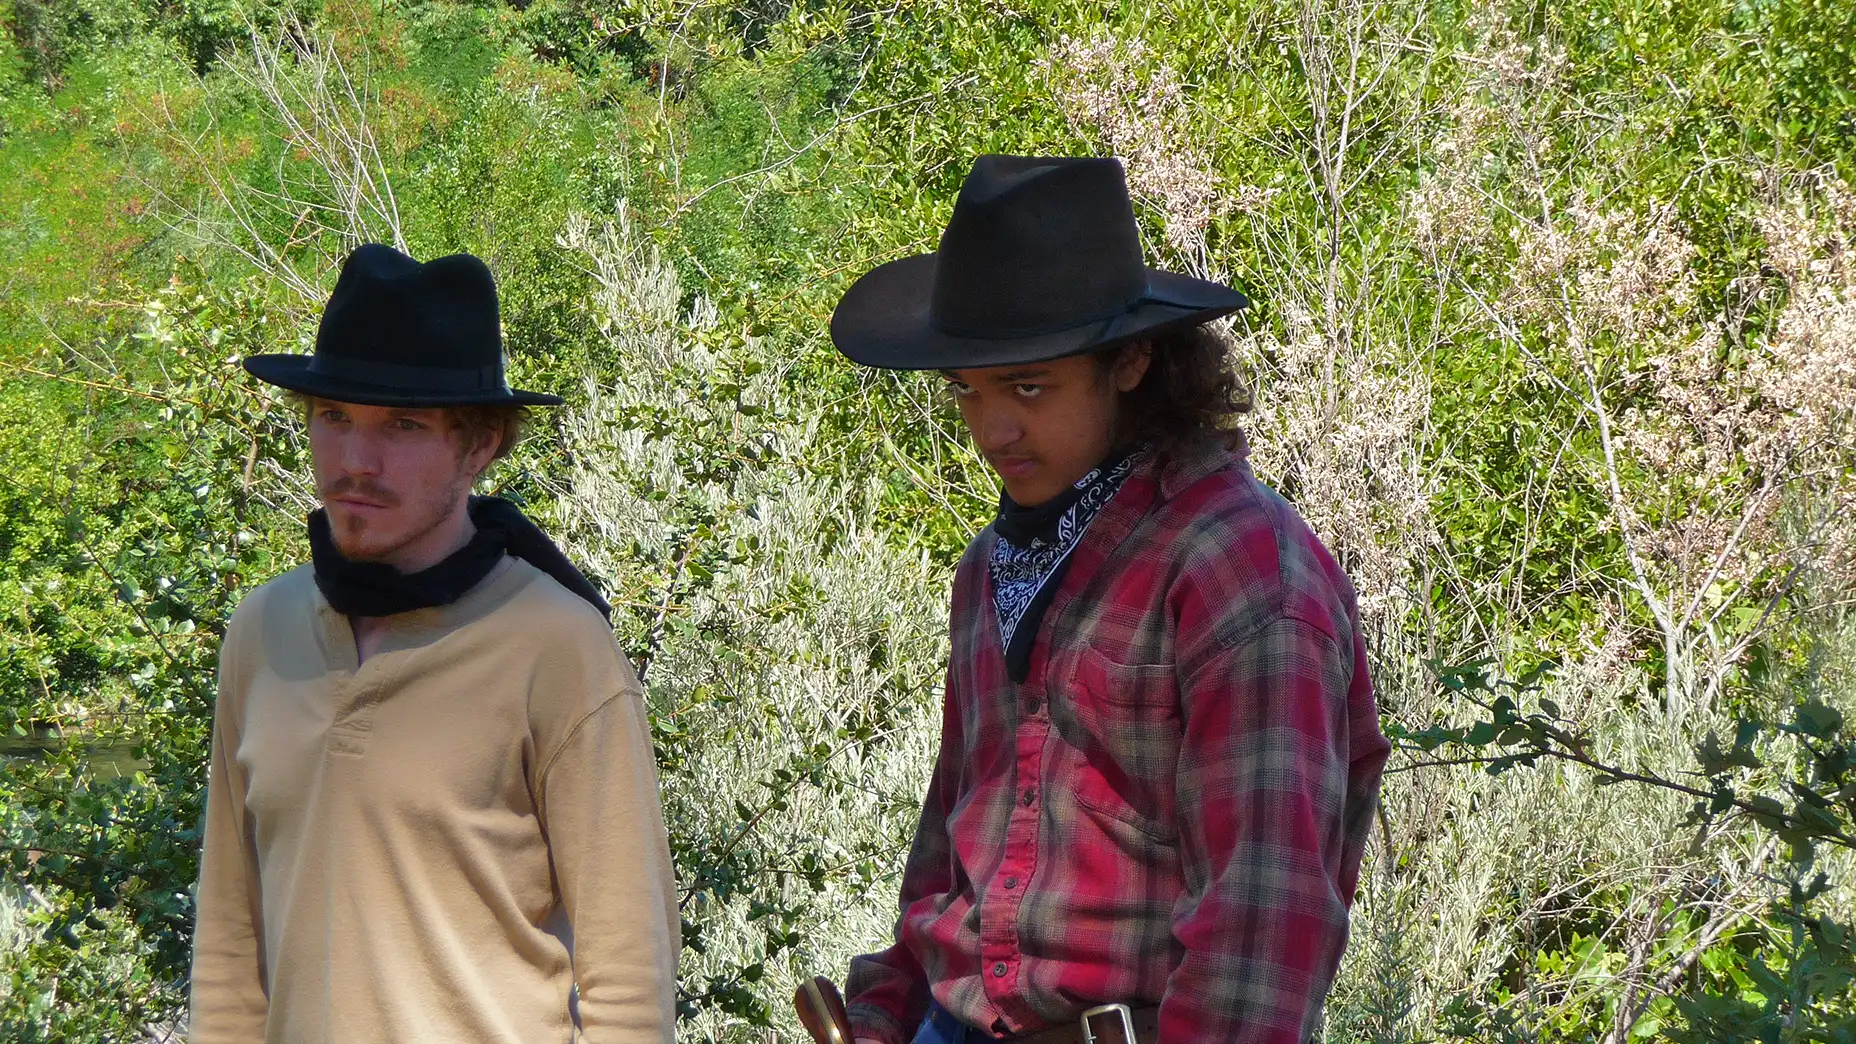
x,y
1121,729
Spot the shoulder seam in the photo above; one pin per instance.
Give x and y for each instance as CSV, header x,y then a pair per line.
x,y
1277,614
541,778
1281,610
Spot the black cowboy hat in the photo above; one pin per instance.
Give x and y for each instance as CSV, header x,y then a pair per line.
x,y
1041,259
399,333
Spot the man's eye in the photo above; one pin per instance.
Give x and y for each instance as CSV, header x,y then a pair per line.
x,y
959,390
1028,391
408,424
334,416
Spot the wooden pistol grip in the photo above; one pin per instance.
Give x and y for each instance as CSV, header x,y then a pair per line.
x,y
821,1011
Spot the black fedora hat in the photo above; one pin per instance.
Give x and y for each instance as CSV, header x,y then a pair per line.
x,y
399,333
1041,259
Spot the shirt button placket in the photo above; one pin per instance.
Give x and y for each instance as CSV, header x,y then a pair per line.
x,y
1010,889
348,733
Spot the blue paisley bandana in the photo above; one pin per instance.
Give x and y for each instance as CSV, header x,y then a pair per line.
x,y
1033,551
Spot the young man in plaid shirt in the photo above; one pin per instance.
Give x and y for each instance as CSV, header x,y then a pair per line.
x,y
1159,748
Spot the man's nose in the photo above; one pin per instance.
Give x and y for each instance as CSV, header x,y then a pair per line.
x,y
360,454
998,430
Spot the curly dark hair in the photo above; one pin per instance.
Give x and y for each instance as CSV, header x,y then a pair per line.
x,y
1191,392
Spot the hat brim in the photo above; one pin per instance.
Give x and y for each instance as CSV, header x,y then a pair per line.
x,y
883,321
293,372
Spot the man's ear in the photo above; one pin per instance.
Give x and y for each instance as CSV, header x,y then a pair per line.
x,y
483,451
1131,365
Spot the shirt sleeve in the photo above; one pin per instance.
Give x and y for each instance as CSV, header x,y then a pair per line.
x,y
886,995
611,857
228,1002
1278,773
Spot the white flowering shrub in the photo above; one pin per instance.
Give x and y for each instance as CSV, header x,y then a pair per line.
x,y
791,651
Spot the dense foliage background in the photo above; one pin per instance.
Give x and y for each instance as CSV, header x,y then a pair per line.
x,y
1555,345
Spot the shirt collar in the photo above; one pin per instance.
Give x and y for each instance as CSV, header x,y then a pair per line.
x,y
1182,466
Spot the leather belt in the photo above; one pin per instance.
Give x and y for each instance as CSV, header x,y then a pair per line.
x,y
1107,1024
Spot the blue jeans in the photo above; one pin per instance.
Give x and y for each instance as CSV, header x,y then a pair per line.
x,y
942,1028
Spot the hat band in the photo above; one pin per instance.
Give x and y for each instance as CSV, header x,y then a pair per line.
x,y
1117,313
423,378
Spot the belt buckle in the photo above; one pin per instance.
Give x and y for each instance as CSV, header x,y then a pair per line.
x,y
1127,1022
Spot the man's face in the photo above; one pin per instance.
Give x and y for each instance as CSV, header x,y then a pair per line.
x,y
393,480
1043,425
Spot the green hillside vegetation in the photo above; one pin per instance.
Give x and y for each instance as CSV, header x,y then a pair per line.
x,y
1555,344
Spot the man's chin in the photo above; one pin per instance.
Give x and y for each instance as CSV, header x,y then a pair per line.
x,y
364,551
359,542
1029,497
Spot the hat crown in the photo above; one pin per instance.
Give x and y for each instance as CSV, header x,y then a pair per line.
x,y
1041,259
1035,245
399,333
390,310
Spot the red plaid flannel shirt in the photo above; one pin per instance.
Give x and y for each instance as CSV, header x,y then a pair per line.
x,y
1172,808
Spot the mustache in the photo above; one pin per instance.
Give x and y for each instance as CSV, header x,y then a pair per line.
x,y
351,486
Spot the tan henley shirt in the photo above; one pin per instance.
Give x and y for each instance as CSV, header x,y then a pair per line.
x,y
389,845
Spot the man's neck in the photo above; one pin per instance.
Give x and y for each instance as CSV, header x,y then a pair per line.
x,y
369,632
438,544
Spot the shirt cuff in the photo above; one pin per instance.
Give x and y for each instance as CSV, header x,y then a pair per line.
x,y
874,1023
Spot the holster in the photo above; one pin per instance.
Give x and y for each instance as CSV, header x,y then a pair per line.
x,y
821,1011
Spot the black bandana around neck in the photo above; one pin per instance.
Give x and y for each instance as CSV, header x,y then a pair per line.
x,y
1033,548
378,589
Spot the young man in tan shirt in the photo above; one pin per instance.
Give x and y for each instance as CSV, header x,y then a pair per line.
x,y
432,813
